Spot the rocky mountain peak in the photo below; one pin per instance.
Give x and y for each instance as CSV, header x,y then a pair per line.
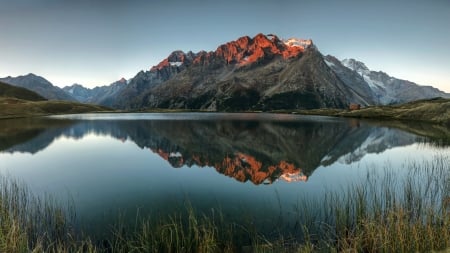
x,y
243,51
246,50
175,59
294,42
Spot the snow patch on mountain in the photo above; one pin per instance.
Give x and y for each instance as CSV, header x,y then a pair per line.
x,y
270,36
177,63
330,64
294,42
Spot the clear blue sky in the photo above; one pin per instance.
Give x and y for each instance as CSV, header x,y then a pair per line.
x,y
97,42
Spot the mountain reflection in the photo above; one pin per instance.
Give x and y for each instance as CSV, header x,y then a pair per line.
x,y
246,150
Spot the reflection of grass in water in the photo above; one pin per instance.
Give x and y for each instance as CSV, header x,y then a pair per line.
x,y
383,214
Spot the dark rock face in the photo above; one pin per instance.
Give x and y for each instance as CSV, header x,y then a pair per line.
x,y
39,85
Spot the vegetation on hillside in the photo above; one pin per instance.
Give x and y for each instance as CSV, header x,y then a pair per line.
x,y
435,110
381,214
7,90
16,102
16,108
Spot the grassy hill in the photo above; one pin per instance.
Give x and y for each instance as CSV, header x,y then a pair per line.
x,y
435,110
432,110
18,108
7,90
16,102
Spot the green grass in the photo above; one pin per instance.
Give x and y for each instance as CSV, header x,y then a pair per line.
x,y
18,108
7,90
381,214
430,110
16,102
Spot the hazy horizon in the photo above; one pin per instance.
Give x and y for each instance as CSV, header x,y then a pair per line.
x,y
96,43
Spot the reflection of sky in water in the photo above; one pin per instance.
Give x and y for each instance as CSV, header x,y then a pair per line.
x,y
103,174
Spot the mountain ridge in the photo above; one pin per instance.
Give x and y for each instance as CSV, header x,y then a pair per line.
x,y
259,73
102,95
262,73
39,85
216,80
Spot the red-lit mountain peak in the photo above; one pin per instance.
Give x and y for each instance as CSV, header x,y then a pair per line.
x,y
246,50
243,51
175,59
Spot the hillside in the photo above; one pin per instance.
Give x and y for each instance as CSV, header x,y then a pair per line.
x,y
18,108
435,110
7,90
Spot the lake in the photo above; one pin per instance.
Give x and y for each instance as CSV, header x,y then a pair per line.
x,y
245,165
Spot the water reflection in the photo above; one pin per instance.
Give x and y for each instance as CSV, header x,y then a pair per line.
x,y
250,148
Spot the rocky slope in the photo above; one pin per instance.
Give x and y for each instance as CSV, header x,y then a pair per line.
x,y
39,85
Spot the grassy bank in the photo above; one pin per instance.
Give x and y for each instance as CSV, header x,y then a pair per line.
x,y
431,110
18,108
380,214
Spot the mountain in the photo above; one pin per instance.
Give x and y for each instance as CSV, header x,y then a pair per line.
x,y
386,89
79,92
260,73
10,91
104,95
39,85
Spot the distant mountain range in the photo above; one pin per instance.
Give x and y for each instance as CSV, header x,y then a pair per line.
x,y
104,95
39,85
259,73
384,89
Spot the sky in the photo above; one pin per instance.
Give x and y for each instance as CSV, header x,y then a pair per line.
x,y
95,43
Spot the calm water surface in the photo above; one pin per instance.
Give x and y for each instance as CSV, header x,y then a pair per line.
x,y
257,165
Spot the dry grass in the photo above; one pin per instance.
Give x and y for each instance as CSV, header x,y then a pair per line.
x,y
382,214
